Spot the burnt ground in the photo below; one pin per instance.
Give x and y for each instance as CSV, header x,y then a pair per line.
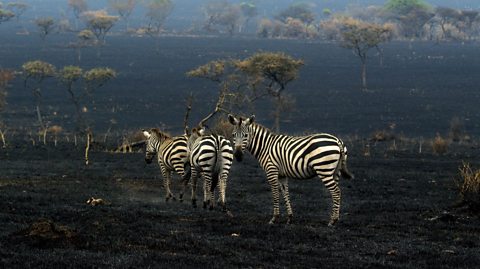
x,y
398,212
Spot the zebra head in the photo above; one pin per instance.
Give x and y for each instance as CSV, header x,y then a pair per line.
x,y
150,149
241,134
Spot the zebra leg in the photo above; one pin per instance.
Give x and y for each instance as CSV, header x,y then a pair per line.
x,y
194,176
331,184
286,196
207,186
185,172
166,183
272,178
222,187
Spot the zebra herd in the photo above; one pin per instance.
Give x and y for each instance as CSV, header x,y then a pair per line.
x,y
280,156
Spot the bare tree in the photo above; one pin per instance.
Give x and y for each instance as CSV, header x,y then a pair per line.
x,y
220,72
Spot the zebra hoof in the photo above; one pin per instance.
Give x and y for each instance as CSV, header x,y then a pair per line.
x,y
210,207
229,214
332,222
290,219
273,220
204,205
194,203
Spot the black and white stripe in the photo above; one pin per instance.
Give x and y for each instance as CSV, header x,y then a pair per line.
x,y
298,157
211,157
171,155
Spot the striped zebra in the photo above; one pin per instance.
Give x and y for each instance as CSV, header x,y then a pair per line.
x,y
171,155
211,157
298,157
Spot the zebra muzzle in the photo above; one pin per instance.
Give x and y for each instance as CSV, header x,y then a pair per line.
x,y
238,155
148,160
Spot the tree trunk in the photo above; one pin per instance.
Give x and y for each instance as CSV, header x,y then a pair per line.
x,y
44,133
364,72
87,146
278,111
2,135
39,116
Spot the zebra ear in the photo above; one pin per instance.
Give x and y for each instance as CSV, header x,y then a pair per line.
x,y
146,134
250,120
232,119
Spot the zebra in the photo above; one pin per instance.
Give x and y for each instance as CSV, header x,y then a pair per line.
x,y
211,157
172,156
298,157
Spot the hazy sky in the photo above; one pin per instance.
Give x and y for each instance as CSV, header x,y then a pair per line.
x,y
188,12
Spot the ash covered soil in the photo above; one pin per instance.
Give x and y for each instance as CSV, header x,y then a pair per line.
x,y
399,211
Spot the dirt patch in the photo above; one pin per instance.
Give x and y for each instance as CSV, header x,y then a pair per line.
x,y
45,233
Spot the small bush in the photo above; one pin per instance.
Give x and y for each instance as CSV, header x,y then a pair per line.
x,y
469,186
382,135
223,127
439,145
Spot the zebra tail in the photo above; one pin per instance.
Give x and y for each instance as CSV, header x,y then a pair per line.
x,y
217,170
187,172
343,162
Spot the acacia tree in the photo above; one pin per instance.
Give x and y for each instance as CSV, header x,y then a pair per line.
x,y
360,37
249,11
99,22
94,79
446,15
85,38
157,12
78,7
38,71
124,9
18,8
5,15
273,71
45,26
412,15
69,76
299,11
223,14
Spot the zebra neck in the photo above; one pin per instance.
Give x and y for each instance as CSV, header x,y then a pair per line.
x,y
261,140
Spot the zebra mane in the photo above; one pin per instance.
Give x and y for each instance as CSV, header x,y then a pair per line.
x,y
262,128
159,133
